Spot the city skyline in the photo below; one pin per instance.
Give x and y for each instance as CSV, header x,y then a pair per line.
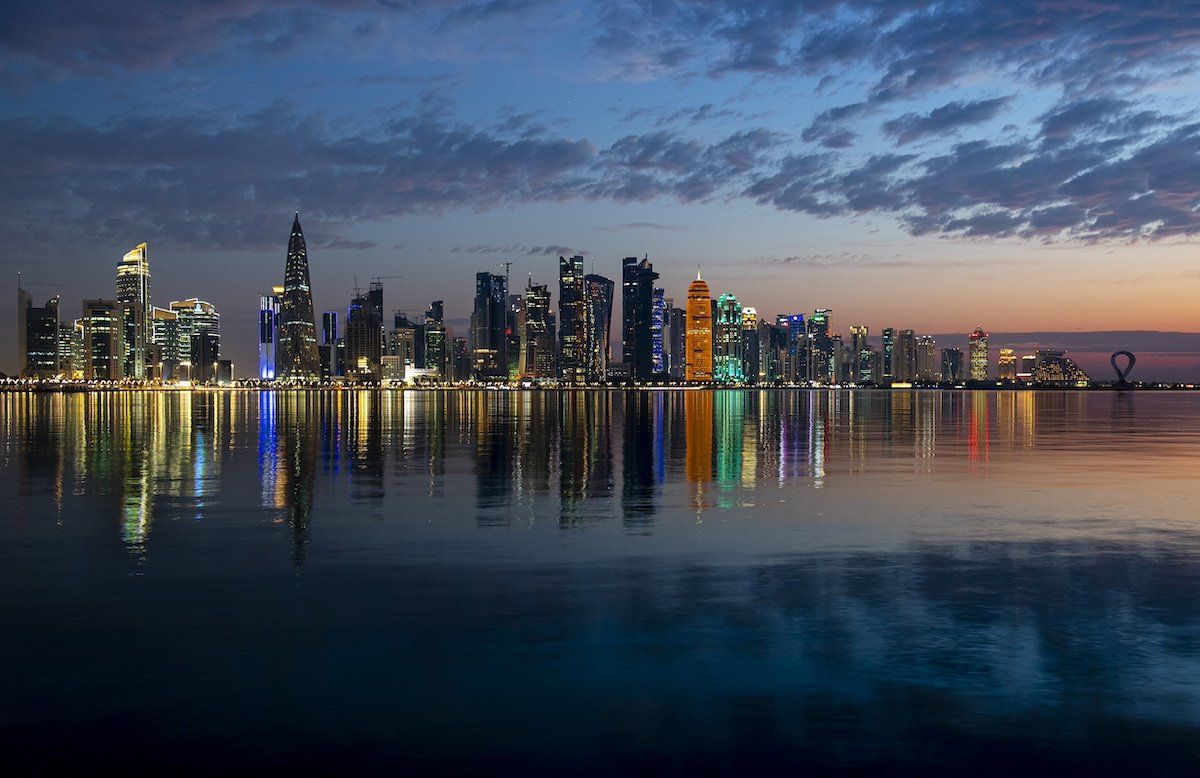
x,y
804,158
644,326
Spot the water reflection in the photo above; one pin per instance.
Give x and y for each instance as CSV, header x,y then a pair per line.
x,y
701,580
140,452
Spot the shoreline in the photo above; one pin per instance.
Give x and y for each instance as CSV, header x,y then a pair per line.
x,y
336,388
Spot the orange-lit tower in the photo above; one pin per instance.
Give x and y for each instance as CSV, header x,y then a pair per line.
x,y
699,333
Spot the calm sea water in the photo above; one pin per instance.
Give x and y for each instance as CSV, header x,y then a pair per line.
x,y
592,582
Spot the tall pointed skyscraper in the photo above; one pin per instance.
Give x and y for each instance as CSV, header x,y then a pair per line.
x,y
297,357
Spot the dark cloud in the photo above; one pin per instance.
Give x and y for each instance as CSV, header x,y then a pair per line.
x,y
914,45
943,120
128,35
554,250
1141,185
216,181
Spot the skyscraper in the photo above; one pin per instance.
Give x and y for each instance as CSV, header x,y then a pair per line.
x,y
102,327
539,333
41,357
820,347
658,334
727,341
978,345
572,320
165,329
905,356
435,338
331,347
199,332
598,296
858,344
699,333
133,292
676,340
297,358
752,368
637,308
489,321
889,354
927,367
952,364
268,328
364,337
1006,366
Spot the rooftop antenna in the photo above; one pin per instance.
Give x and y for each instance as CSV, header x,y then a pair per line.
x,y
507,266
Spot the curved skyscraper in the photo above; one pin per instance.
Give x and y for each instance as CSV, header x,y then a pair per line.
x,y
297,357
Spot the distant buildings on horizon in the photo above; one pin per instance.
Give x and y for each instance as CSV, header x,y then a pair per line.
x,y
511,338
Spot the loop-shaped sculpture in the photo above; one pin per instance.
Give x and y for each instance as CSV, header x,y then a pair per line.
x,y
1123,375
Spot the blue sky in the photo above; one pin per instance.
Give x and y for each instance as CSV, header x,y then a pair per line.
x,y
1027,166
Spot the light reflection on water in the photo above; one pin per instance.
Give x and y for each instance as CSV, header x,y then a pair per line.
x,y
666,580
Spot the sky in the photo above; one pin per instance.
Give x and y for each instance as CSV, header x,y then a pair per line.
x,y
1026,166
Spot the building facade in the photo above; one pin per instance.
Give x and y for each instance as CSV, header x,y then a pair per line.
x,y
572,320
699,343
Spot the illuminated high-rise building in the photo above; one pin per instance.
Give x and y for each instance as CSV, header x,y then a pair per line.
x,y
867,368
364,338
164,326
727,341
858,344
268,330
751,346
952,365
598,296
1006,365
658,333
1028,363
514,335
199,332
297,357
676,340
539,333
637,311
332,346
40,335
572,320
489,322
102,328
820,347
888,355
927,367
133,291
435,338
699,344
978,354
904,358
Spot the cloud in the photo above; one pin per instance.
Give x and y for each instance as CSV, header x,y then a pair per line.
x,y
643,226
1143,185
555,250
943,120
211,180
